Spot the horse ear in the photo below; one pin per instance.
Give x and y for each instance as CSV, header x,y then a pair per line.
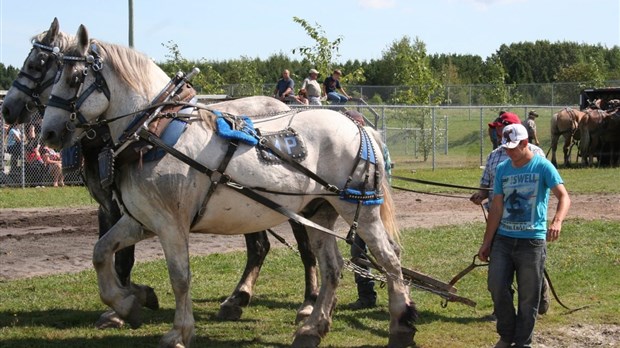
x,y
52,33
82,36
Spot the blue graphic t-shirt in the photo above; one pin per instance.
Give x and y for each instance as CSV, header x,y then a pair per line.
x,y
526,197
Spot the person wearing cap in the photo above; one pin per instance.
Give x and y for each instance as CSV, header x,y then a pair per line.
x,y
285,87
530,125
332,87
516,235
496,157
311,88
493,132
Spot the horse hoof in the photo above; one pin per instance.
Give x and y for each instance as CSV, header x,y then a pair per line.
x,y
306,341
109,320
401,340
303,313
134,317
152,302
229,313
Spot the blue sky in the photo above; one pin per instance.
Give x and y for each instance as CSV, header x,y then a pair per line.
x,y
218,30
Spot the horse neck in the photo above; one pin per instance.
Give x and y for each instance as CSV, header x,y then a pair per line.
x,y
125,100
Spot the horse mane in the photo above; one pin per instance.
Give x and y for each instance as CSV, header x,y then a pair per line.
x,y
130,65
62,40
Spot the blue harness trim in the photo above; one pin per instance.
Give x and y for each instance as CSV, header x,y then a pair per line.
x,y
354,196
246,134
170,136
367,152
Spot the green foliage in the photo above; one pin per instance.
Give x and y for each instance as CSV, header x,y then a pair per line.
x,y
499,93
7,75
207,81
324,51
410,66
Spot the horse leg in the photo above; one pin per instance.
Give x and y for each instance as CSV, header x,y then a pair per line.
x,y
316,326
402,309
566,149
554,147
257,248
309,260
176,249
122,299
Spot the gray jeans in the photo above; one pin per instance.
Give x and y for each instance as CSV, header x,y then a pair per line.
x,y
524,258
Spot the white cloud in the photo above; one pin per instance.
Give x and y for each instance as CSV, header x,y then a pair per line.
x,y
377,4
485,4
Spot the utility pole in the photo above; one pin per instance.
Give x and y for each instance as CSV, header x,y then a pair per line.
x,y
131,23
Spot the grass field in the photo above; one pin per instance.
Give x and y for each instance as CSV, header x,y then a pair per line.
x,y
59,311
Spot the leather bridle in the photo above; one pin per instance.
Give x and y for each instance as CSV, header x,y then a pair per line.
x,y
92,62
51,57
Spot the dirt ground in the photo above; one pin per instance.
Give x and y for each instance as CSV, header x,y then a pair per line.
x,y
46,241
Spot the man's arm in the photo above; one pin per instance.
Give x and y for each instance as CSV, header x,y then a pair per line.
x,y
555,227
495,216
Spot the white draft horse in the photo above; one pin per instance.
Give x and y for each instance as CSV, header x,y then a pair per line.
x,y
165,196
29,93
564,123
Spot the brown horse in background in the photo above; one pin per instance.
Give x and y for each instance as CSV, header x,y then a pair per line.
x,y
565,123
590,129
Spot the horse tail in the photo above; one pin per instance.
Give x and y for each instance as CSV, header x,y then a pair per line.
x,y
388,212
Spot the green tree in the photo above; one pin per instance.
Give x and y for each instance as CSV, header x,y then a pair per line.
x,y
7,75
207,81
408,62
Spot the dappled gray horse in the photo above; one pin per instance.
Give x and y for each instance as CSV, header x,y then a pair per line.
x,y
165,196
29,93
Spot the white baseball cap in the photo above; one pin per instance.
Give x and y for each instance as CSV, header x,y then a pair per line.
x,y
512,135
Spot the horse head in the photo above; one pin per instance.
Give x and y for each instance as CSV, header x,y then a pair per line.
x,y
33,84
79,95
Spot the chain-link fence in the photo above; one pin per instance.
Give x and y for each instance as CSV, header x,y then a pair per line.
x,y
28,163
445,136
550,94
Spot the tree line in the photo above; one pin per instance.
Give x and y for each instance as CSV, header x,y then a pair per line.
x,y
517,63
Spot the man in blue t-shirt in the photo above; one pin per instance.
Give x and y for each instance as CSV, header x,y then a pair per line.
x,y
516,234
285,87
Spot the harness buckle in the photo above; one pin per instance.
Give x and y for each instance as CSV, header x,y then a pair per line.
x,y
234,185
332,188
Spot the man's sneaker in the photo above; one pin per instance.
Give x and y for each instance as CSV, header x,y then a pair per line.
x,y
361,304
543,306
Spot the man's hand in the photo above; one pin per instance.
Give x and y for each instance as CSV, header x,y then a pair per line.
x,y
553,232
479,196
484,252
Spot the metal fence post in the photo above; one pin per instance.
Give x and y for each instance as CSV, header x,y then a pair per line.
x,y
445,134
481,134
433,140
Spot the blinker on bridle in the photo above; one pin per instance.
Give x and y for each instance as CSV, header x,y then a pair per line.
x,y
52,56
92,62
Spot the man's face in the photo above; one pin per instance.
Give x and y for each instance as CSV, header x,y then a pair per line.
x,y
285,74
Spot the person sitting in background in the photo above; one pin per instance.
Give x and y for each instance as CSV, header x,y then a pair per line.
x,y
311,88
52,161
332,85
285,87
